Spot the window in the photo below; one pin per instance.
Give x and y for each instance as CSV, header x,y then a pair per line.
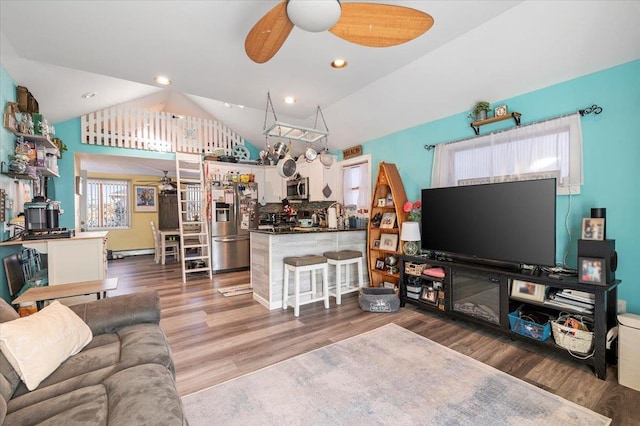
x,y
356,179
552,148
108,204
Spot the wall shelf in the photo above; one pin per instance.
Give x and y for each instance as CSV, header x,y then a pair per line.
x,y
476,124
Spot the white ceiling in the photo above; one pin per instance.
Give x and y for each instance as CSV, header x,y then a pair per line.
x,y
476,50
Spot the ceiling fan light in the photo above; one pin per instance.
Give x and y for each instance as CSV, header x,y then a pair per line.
x,y
314,15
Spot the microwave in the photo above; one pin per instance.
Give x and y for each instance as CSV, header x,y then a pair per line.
x,y
298,189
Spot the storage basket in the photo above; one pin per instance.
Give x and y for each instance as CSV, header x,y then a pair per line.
x,y
376,299
416,269
572,339
530,329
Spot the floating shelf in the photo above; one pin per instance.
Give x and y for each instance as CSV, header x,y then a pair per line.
x,y
476,124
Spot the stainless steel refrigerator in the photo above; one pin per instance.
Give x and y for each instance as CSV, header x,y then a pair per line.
x,y
233,214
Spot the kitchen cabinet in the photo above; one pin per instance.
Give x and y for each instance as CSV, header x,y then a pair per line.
x,y
319,178
80,258
274,186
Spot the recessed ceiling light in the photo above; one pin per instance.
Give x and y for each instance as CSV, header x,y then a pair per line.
x,y
289,100
165,81
88,95
227,104
241,106
339,63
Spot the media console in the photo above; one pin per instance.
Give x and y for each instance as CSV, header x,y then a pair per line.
x,y
481,294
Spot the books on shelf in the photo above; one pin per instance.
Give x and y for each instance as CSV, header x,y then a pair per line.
x,y
581,302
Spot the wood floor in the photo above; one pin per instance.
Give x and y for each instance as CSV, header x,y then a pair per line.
x,y
216,338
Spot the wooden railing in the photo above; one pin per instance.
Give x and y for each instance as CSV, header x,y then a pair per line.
x,y
123,127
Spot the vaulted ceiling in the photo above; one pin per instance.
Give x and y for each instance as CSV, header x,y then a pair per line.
x,y
476,50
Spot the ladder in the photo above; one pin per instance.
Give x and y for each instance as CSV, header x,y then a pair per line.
x,y
192,204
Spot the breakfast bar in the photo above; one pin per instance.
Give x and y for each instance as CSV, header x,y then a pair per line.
x,y
269,248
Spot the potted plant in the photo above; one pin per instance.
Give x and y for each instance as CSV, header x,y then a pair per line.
x,y
480,111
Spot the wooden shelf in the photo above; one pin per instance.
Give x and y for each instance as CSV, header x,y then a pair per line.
x,y
388,182
476,124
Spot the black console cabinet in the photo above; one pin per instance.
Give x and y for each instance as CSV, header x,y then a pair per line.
x,y
489,286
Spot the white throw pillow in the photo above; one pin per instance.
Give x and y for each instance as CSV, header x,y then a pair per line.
x,y
37,344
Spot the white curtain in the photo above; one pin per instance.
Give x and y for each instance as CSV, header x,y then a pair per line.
x,y
552,148
356,185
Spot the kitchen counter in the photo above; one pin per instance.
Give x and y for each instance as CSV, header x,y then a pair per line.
x,y
299,230
269,248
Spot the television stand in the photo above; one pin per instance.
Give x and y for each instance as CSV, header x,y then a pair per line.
x,y
482,294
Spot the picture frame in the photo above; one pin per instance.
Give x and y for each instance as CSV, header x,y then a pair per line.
x,y
524,290
500,111
389,242
380,264
376,244
146,198
430,295
382,202
593,228
591,270
388,220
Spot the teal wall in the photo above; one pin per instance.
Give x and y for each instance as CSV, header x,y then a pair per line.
x,y
611,152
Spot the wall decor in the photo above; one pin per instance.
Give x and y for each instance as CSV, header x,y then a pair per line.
x,y
499,111
146,199
354,151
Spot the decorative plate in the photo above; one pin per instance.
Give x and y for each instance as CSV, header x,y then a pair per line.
x,y
240,152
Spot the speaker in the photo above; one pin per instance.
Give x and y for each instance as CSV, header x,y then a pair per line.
x,y
592,271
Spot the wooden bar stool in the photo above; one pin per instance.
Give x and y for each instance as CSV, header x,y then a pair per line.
x,y
312,264
345,258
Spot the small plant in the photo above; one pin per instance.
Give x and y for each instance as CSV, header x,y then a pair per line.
x,y
481,106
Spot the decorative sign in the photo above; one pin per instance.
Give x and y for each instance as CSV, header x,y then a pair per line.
x,y
354,151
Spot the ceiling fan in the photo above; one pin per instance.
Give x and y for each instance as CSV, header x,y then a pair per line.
x,y
165,183
366,24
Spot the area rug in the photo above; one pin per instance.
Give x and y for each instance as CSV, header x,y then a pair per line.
x,y
388,376
235,290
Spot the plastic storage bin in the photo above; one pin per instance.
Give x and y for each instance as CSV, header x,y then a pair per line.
x,y
521,325
629,350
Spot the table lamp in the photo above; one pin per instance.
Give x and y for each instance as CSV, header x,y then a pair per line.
x,y
410,234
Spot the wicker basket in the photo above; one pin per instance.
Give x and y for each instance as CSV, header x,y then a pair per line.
x,y
574,340
416,269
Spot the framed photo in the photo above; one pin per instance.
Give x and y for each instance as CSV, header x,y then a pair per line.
x,y
382,202
591,270
429,294
146,199
592,228
524,290
380,264
389,242
500,111
376,244
388,220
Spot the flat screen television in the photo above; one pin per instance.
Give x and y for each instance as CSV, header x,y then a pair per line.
x,y
510,222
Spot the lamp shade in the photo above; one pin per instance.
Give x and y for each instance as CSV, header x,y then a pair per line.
x,y
410,231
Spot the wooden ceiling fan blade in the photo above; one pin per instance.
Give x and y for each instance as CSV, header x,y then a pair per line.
x,y
380,25
268,34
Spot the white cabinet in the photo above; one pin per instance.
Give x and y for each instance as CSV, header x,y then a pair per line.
x,y
77,259
319,178
274,185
